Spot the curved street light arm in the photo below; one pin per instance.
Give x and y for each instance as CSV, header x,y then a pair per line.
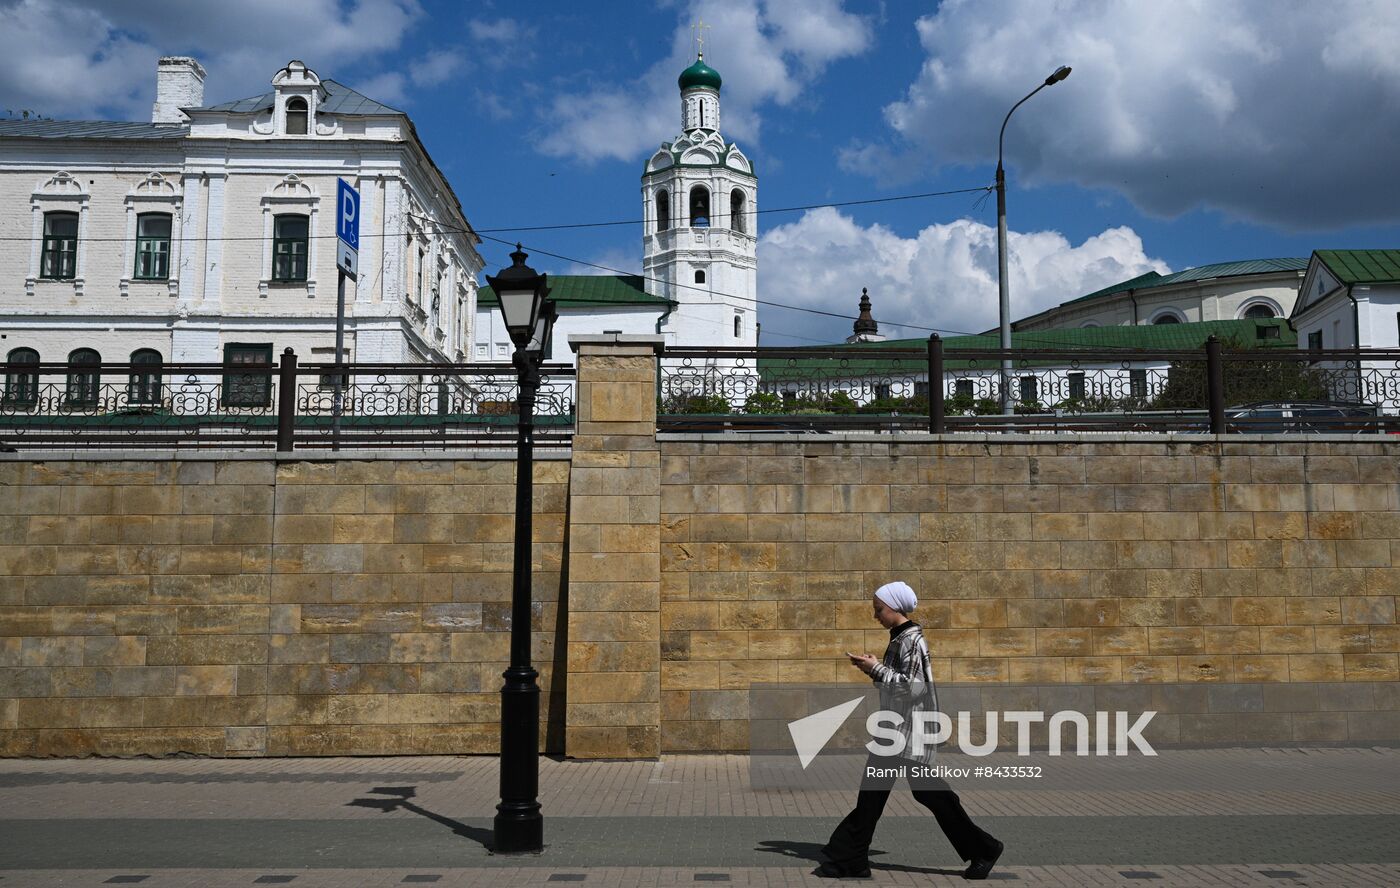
x,y
1002,135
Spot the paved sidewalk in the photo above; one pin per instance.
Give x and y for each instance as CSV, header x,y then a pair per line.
x,y
684,820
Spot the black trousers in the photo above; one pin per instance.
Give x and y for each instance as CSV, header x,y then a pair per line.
x,y
849,846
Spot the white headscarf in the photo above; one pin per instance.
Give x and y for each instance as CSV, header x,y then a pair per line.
x,y
898,596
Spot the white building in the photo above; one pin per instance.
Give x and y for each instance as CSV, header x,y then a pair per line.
x,y
1351,299
207,235
1227,291
699,246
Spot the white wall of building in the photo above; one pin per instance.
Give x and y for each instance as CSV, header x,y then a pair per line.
x,y
224,184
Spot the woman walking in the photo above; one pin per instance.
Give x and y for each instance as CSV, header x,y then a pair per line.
x,y
905,679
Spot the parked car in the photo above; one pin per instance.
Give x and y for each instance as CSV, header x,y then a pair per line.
x,y
1301,416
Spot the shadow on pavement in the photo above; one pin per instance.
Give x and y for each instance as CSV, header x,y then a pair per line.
x,y
399,798
813,852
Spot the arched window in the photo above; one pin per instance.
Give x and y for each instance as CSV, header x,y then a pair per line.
x,y
297,117
699,276
82,381
1167,319
663,210
1259,311
21,385
738,326
736,211
699,207
60,255
152,247
289,239
144,385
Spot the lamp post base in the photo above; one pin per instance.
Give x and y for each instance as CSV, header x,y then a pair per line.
x,y
519,825
518,830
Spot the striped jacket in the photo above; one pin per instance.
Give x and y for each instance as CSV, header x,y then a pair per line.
x,y
905,679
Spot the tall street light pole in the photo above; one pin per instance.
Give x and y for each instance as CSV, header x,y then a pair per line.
x,y
529,318
1005,297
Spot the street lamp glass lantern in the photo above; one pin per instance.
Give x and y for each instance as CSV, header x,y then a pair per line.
x,y
520,309
521,293
542,340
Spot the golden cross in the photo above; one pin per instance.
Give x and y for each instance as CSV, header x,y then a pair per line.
x,y
700,28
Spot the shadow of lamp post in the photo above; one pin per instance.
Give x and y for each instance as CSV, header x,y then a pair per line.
x,y
529,318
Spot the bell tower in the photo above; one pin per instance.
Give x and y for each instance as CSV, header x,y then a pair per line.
x,y
699,200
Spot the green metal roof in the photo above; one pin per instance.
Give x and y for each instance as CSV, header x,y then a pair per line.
x,y
699,74
589,289
1362,266
865,356
1218,270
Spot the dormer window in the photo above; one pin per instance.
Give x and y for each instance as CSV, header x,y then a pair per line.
x,y
297,117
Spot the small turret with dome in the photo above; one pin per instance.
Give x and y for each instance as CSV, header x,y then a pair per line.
x,y
700,200
699,96
700,74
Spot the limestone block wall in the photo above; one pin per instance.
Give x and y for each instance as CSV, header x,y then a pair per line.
x,y
1074,560
614,683
250,606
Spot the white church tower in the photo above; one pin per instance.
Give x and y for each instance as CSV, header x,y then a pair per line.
x,y
699,200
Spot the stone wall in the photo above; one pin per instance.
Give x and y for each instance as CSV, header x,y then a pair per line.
x,y
1036,562
359,603
251,606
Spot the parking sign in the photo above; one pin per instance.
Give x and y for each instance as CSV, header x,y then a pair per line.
x,y
347,228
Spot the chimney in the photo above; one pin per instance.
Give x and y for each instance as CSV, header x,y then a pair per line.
x,y
179,84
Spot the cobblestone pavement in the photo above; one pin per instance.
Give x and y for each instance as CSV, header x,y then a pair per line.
x,y
683,820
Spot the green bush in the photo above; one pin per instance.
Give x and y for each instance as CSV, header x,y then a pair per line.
x,y
916,405
1245,382
763,402
680,405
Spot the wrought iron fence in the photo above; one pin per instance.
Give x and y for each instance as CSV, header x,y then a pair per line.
x,y
887,388
285,405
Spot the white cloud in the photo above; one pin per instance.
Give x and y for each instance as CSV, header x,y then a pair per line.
x,y
945,276
83,58
436,67
502,30
1285,113
768,51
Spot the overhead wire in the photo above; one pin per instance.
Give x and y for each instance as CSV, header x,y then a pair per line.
x,y
555,227
783,305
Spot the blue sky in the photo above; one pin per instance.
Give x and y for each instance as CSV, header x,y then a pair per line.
x,y
1189,132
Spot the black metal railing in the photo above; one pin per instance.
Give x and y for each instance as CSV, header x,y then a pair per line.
x,y
876,388
285,406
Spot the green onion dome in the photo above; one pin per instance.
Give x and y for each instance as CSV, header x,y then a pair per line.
x,y
699,74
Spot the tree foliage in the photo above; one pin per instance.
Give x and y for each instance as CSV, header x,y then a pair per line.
x,y
1264,379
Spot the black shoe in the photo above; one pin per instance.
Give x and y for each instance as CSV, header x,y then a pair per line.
x,y
832,871
981,867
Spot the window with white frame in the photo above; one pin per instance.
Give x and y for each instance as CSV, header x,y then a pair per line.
x,y
21,384
1076,386
291,210
59,211
83,384
152,247
153,209
290,236
298,116
60,255
143,386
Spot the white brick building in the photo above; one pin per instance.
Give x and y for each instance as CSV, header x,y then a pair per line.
x,y
207,235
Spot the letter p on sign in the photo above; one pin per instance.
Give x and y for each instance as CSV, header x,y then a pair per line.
x,y
347,228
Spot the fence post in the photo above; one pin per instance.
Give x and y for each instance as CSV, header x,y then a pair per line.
x,y
1215,385
286,400
935,384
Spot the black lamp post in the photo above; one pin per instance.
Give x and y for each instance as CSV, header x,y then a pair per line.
x,y
1004,296
529,317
